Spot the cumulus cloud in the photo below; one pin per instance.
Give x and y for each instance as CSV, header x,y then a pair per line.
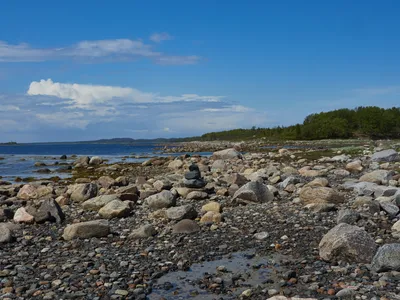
x,y
115,49
159,37
8,108
88,96
230,108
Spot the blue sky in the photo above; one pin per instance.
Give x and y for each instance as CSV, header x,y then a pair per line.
x,y
83,70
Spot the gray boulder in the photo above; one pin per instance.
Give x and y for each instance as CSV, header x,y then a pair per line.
x,y
6,235
387,258
386,156
347,243
391,209
194,183
226,154
377,176
82,161
253,192
143,232
83,191
348,216
95,160
181,212
186,226
85,230
49,210
320,194
164,199
116,209
98,202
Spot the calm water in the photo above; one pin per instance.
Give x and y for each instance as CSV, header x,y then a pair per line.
x,y
19,160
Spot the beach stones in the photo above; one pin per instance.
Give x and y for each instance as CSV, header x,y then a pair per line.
x,y
186,226
348,216
116,209
29,192
6,235
387,258
226,154
386,156
144,231
22,216
347,243
83,191
377,176
95,160
84,230
181,212
98,202
164,199
320,194
49,210
252,192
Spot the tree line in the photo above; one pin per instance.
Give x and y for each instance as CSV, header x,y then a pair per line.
x,y
362,122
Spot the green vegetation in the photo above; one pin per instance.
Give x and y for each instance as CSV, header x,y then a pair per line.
x,y
362,122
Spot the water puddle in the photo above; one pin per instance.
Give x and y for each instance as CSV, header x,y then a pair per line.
x,y
226,278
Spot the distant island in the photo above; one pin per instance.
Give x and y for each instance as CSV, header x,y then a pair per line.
x,y
9,143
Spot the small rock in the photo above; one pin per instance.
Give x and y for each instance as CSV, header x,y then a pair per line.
x,y
84,230
144,231
186,226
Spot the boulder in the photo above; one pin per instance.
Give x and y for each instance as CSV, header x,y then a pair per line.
x,y
82,161
186,226
194,172
49,210
144,231
116,209
95,160
98,202
347,243
211,217
22,216
211,206
106,181
226,154
387,258
85,230
30,192
164,199
354,166
377,176
391,209
175,164
197,195
194,183
319,194
253,192
386,156
318,182
181,212
83,191
348,216
6,235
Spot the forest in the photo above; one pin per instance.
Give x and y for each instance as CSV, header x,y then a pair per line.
x,y
362,122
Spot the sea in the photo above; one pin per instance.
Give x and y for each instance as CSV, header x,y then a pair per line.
x,y
19,160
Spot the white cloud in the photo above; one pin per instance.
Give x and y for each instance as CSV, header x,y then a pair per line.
x,y
159,37
231,108
115,49
89,96
8,108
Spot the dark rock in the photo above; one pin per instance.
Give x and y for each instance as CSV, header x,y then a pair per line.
x,y
49,210
194,183
63,157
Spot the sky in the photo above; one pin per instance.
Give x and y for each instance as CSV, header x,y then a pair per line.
x,y
86,70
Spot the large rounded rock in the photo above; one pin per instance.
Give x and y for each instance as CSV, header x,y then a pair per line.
x,y
82,161
181,212
6,235
347,243
253,192
85,230
116,209
144,231
186,226
377,176
310,194
95,160
354,166
22,216
98,202
175,164
387,258
226,154
386,156
49,210
164,199
83,191
29,192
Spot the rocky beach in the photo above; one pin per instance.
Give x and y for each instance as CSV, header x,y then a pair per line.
x,y
247,222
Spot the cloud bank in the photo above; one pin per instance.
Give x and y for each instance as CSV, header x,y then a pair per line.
x,y
93,51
